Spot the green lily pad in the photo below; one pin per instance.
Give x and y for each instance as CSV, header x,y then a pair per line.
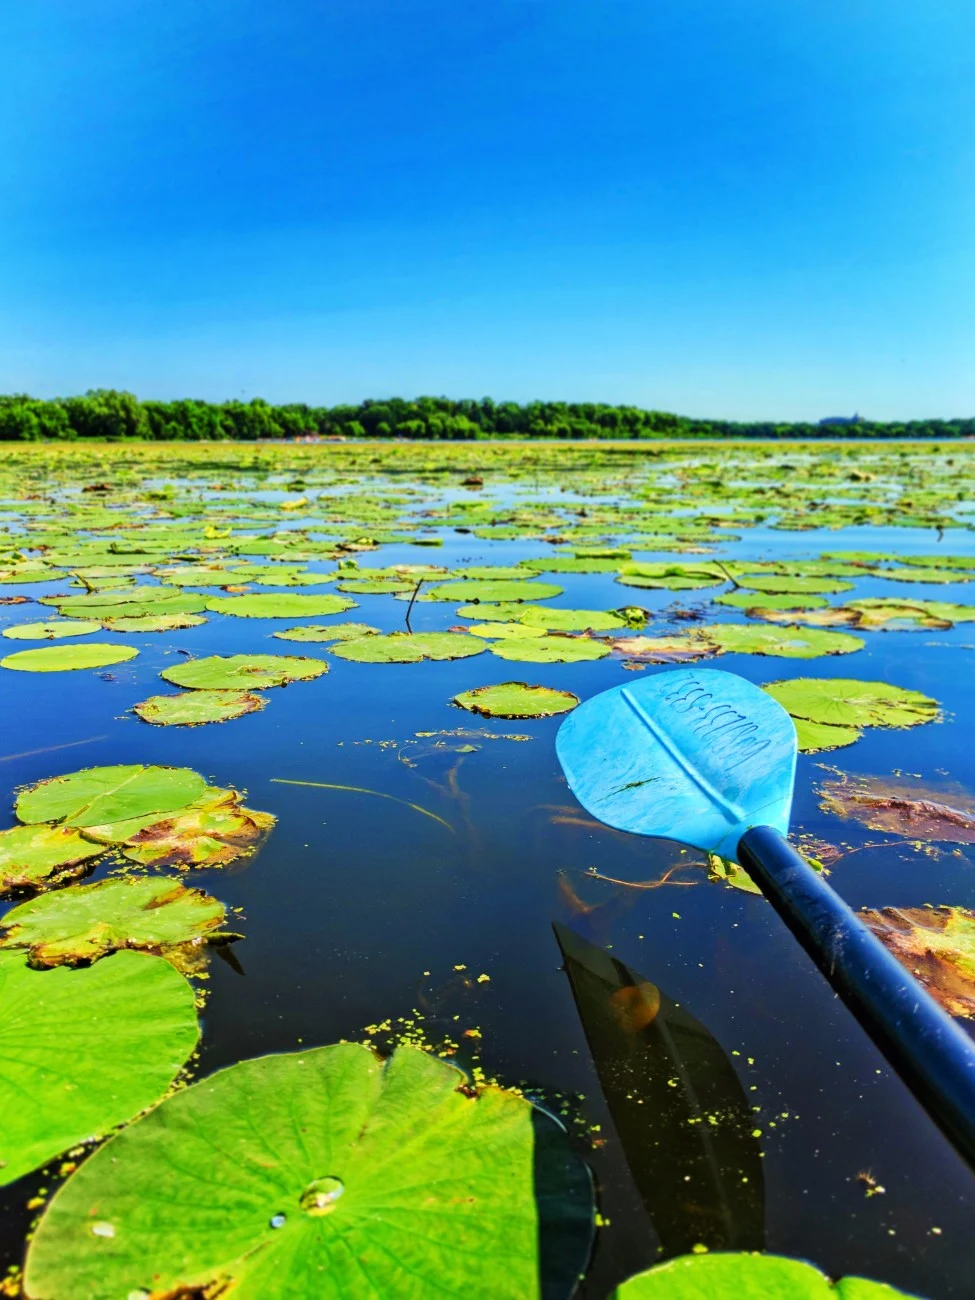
x,y
286,604
735,1276
820,737
194,708
751,599
786,586
63,1035
243,672
575,563
911,574
409,648
498,631
502,590
69,658
327,1172
376,586
153,623
892,612
845,702
516,700
783,642
322,632
670,577
107,794
151,913
683,648
135,602
572,620
51,631
550,649
38,857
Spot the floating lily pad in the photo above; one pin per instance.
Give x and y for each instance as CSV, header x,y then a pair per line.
x,y
739,1276
85,922
516,700
212,831
750,599
376,586
37,857
85,1050
68,658
193,708
286,604
785,643
550,649
51,631
830,713
106,794
681,649
498,631
135,602
477,592
889,612
572,620
575,564
671,577
820,737
775,585
153,623
937,945
409,648
326,1172
911,574
901,808
243,672
322,632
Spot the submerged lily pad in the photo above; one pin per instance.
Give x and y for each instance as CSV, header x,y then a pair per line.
x,y
830,713
322,632
153,623
784,643
550,649
287,604
106,794
194,708
37,857
937,945
243,672
474,592
52,630
85,1050
67,658
516,700
86,922
409,648
572,620
681,649
740,1276
900,808
309,1165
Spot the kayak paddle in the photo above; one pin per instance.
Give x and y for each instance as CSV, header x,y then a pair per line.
x,y
707,758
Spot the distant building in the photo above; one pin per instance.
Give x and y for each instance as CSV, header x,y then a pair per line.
x,y
842,419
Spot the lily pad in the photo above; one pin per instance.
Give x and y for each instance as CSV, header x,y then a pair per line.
x,y
243,672
550,649
775,585
516,700
901,808
194,708
740,1276
475,592
322,632
409,648
910,574
937,945
376,586
671,577
153,623
785,643
681,649
287,604
51,631
326,1172
38,857
499,631
68,658
845,702
63,1034
107,794
750,599
153,914
572,620
134,602
820,737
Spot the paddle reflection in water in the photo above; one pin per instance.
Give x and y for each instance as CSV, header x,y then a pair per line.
x,y
679,1110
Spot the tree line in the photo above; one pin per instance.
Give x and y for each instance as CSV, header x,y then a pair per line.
x,y
108,414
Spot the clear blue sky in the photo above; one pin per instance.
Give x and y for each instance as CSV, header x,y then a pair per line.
x,y
753,208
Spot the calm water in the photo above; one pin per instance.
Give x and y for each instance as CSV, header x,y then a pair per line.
x,y
359,908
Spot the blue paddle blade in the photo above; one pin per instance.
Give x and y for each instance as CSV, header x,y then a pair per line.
x,y
693,754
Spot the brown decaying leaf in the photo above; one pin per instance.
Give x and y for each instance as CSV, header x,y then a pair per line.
x,y
214,831
900,808
937,945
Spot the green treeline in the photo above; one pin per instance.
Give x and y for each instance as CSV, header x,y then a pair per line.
x,y
107,414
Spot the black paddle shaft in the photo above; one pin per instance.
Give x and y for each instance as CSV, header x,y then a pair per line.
x,y
933,1056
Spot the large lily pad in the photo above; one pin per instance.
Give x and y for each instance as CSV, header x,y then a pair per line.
x,y
474,592
937,945
286,604
784,643
750,599
671,577
134,602
328,1173
243,672
832,712
572,620
500,631
154,623
37,857
84,1050
150,913
320,632
53,630
409,648
775,585
516,700
194,708
68,658
740,1276
106,794
550,649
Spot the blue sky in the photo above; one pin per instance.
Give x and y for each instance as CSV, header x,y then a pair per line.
x,y
751,208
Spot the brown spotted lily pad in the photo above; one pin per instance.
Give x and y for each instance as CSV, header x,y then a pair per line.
x,y
194,708
937,945
900,808
39,857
